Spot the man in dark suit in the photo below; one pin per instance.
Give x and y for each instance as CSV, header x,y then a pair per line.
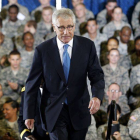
x,y
64,63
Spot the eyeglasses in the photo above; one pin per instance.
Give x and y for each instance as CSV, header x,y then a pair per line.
x,y
62,28
112,90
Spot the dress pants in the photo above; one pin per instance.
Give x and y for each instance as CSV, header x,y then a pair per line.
x,y
64,130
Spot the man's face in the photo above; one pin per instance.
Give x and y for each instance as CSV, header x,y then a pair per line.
x,y
47,16
117,14
112,43
137,45
92,27
44,2
15,61
114,92
75,2
113,57
125,36
28,40
110,6
12,1
66,35
13,14
80,11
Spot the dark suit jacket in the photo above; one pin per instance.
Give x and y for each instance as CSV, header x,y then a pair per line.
x,y
47,63
38,132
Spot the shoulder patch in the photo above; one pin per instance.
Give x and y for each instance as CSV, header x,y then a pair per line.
x,y
23,89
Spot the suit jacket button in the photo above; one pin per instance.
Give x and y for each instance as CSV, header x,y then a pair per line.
x,y
47,133
62,103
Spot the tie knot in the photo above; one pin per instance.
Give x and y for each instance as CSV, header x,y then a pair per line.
x,y
66,47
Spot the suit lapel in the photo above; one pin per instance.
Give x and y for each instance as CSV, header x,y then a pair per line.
x,y
53,53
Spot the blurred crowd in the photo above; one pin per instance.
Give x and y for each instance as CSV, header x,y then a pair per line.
x,y
117,44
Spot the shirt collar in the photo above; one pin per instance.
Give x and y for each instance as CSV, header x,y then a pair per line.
x,y
61,44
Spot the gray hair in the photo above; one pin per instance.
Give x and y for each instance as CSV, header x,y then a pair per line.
x,y
65,13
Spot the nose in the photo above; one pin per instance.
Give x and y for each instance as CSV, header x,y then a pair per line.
x,y
66,31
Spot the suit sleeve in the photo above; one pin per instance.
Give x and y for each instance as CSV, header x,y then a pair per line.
x,y
95,75
32,86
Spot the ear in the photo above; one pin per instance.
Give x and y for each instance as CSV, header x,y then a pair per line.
x,y
120,93
54,27
97,26
107,93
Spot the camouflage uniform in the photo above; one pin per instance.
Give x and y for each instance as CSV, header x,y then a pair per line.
x,y
4,128
119,76
3,52
42,29
136,16
134,124
123,102
50,35
123,132
130,47
22,10
20,45
102,18
7,44
8,75
10,28
135,59
92,131
26,59
97,41
110,28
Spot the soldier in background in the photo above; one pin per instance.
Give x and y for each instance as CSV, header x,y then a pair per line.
x,y
89,14
27,53
23,11
114,26
45,26
13,77
11,24
31,27
136,16
36,14
105,16
94,34
113,73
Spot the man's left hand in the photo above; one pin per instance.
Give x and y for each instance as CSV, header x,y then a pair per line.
x,y
94,105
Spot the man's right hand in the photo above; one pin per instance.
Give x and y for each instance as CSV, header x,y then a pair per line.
x,y
29,123
31,137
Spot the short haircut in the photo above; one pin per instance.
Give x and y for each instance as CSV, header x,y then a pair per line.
x,y
111,1
64,13
26,34
118,108
137,38
14,52
114,39
113,49
13,6
81,4
92,19
14,104
32,23
116,8
47,8
113,84
126,28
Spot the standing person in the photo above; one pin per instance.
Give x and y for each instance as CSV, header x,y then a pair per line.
x,y
65,105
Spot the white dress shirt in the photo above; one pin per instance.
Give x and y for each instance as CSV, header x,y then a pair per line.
x,y
61,49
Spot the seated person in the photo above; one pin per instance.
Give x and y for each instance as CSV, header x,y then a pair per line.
x,y
94,35
114,26
28,52
114,93
135,57
80,12
9,125
105,16
36,14
126,46
89,14
45,26
31,27
121,135
23,11
114,73
136,17
113,42
13,77
134,124
11,24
